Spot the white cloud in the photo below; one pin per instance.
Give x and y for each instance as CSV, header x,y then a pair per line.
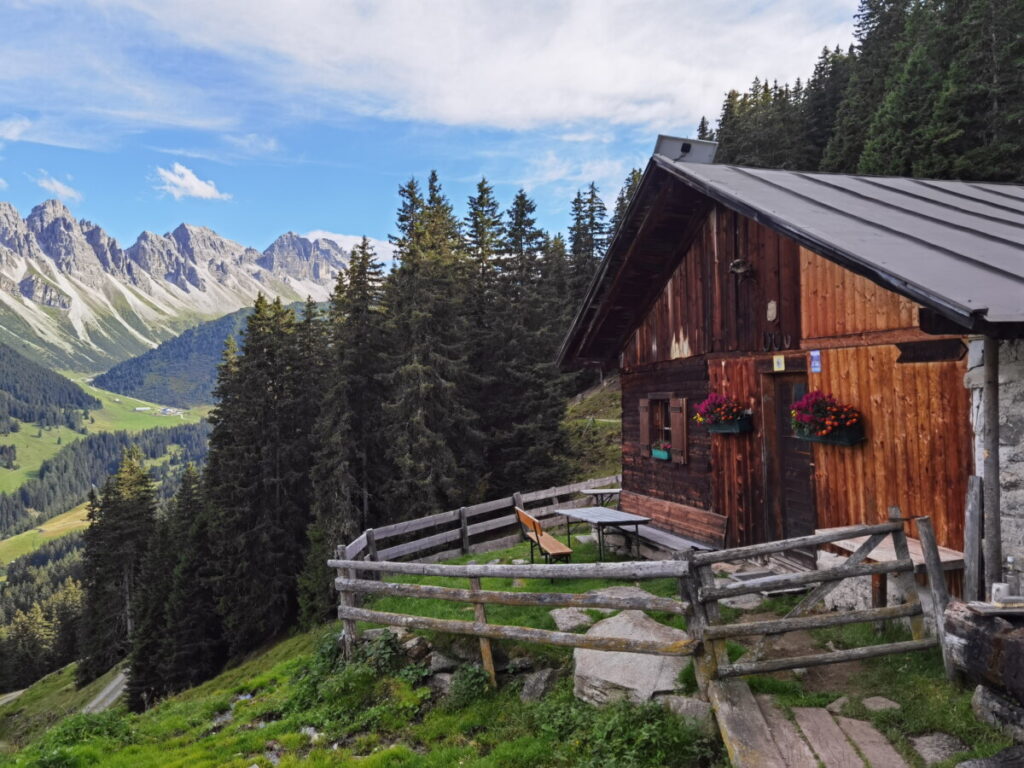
x,y
385,250
183,182
58,188
518,66
253,143
12,128
3,183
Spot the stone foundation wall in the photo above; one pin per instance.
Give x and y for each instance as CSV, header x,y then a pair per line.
x,y
1011,435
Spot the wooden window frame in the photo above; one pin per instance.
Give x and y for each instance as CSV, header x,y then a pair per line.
x,y
674,421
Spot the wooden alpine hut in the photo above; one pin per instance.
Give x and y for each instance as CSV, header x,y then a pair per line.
x,y
765,285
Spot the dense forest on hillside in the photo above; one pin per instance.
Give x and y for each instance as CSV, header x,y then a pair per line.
x,y
931,89
34,394
421,390
65,480
181,371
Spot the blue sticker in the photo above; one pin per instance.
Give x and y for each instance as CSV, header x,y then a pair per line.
x,y
815,361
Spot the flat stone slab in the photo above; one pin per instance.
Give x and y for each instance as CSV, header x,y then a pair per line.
x,y
936,747
879,704
740,602
619,592
837,706
570,619
605,676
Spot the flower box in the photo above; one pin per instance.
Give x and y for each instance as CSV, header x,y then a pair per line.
x,y
839,435
660,454
735,426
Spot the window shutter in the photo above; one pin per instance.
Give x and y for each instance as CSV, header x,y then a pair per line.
x,y
677,412
645,426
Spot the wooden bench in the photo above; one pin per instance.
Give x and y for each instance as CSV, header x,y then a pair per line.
x,y
550,547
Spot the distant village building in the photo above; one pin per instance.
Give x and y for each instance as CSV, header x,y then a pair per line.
x,y
764,285
142,408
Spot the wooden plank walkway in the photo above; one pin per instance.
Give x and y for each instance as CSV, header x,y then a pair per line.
x,y
758,735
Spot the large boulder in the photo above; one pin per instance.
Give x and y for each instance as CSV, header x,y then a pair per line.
x,y
605,676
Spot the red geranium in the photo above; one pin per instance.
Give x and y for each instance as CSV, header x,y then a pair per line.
x,y
819,414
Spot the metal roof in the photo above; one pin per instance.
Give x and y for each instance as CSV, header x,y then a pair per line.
x,y
957,246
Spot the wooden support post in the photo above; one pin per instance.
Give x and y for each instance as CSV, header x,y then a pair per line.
x,y
973,574
371,544
348,599
464,531
937,586
990,407
905,579
480,614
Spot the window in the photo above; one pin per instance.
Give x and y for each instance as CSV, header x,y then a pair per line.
x,y
663,423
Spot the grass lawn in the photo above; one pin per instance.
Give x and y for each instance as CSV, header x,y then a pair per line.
x,y
55,527
118,413
595,432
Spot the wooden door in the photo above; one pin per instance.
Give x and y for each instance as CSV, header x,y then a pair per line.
x,y
790,465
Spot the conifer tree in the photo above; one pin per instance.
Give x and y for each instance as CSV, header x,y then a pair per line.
x,y
347,474
195,649
587,234
704,132
121,522
629,187
880,33
433,443
146,661
257,479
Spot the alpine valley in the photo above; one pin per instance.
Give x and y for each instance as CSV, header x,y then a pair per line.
x,y
71,297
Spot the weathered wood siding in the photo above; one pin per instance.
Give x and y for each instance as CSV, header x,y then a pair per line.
x,y
708,307
737,468
835,302
918,452
688,483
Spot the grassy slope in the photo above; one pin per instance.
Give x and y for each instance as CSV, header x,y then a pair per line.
x,y
55,527
595,430
43,704
395,725
116,414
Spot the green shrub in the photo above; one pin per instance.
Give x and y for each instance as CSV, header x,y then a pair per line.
x,y
470,683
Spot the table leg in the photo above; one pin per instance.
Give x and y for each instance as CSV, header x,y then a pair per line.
x,y
636,535
600,543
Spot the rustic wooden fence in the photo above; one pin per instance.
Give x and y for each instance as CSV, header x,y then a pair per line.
x,y
698,594
479,528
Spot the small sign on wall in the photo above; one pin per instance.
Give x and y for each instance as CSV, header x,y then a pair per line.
x,y
815,361
778,363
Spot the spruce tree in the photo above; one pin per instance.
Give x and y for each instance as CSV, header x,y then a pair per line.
x,y
879,59
195,649
347,474
121,522
629,187
587,234
704,132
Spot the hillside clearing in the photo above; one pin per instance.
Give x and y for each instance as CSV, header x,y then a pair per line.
x,y
35,445
55,527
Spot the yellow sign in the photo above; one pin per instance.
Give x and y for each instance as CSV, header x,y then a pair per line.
x,y
778,362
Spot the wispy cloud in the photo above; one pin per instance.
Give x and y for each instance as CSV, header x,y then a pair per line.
x,y
253,143
181,182
12,128
3,183
57,188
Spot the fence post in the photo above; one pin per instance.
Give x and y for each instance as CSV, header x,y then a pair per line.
x,y
905,580
480,614
464,529
937,585
348,635
371,544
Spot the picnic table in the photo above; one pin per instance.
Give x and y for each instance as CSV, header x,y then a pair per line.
x,y
601,518
603,495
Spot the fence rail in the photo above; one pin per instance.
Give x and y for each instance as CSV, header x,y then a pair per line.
x,y
699,596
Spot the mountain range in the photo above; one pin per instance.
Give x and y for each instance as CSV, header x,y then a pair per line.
x,y
71,297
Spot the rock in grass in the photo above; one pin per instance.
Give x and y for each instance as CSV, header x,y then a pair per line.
x,y
441,663
440,684
934,748
837,706
570,619
536,685
879,704
416,647
605,676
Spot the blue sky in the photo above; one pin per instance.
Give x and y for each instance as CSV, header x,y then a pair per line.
x,y
255,117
